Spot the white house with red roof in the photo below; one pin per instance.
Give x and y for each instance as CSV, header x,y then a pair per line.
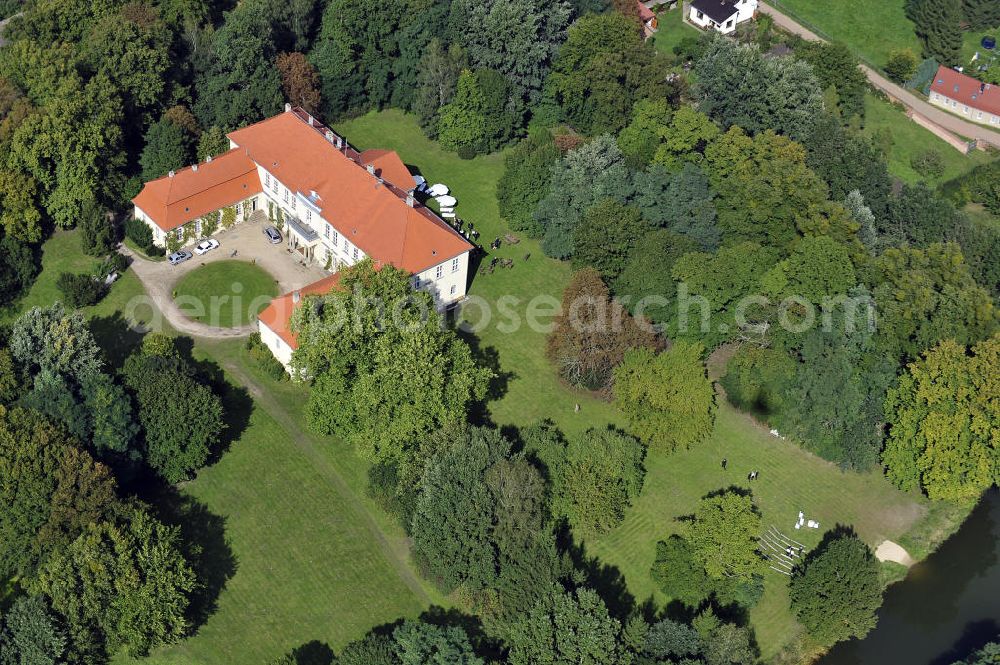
x,y
339,207
966,96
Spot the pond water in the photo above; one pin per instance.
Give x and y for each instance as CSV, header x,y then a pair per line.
x,y
947,607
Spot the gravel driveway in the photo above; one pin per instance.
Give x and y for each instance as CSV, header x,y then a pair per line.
x,y
249,242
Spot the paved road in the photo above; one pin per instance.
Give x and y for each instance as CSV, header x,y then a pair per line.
x,y
939,117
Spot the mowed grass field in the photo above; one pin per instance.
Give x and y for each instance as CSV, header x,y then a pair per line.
x,y
63,253
672,30
789,480
870,29
225,293
313,559
910,139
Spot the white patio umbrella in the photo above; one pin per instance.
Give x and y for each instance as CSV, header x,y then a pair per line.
x,y
448,201
438,189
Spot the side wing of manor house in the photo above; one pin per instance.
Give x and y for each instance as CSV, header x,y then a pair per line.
x,y
339,206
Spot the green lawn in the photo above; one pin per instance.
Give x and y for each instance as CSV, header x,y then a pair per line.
x,y
225,293
871,29
910,139
672,30
62,253
790,480
315,560
972,43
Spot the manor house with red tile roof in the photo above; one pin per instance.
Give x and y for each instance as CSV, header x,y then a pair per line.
x,y
338,206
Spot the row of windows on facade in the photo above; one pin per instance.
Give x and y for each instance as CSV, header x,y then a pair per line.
x,y
965,109
330,233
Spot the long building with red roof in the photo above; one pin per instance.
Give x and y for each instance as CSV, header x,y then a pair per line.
x,y
966,96
339,206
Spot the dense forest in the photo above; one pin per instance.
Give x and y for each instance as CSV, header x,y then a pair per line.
x,y
675,186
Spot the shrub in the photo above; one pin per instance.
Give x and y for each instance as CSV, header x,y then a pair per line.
x,y
928,163
114,262
264,359
138,232
228,217
467,152
902,65
80,290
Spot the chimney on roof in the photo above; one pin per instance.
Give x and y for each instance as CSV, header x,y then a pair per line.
x,y
288,107
330,136
340,143
170,174
194,167
296,296
411,200
371,168
311,120
208,159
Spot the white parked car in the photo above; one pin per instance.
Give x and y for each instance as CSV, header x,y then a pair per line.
x,y
206,246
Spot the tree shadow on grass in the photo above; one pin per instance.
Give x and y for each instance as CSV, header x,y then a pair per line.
x,y
237,404
204,545
488,357
312,653
116,337
607,580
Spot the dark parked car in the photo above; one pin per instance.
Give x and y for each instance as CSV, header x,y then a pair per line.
x,y
272,235
179,257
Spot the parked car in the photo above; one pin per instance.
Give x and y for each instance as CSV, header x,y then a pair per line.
x,y
273,235
179,257
206,246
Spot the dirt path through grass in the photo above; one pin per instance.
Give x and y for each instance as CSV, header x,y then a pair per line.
x,y
305,444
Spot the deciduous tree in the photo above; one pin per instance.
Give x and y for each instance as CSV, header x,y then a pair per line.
x,y
525,181
667,398
607,236
724,536
593,332
838,590
566,628
517,38
944,422
300,81
50,491
601,473
383,384
122,584
178,434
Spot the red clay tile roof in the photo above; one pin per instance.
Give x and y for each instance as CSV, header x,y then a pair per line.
x,y
645,13
371,213
967,90
277,316
388,165
171,201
